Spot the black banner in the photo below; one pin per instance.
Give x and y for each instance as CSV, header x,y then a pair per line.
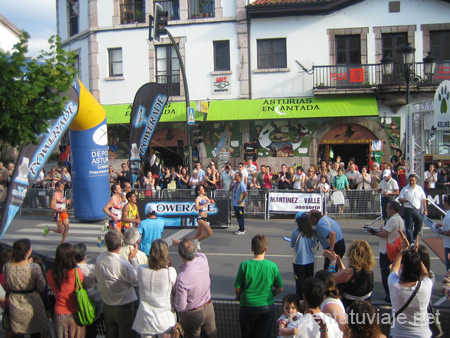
x,y
182,213
148,106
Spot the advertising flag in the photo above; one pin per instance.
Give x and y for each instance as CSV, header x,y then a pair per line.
x,y
32,158
148,107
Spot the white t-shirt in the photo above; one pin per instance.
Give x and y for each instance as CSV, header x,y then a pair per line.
x,y
414,196
309,328
393,225
413,321
298,180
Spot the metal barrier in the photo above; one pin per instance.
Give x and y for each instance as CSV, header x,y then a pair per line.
x,y
227,318
352,202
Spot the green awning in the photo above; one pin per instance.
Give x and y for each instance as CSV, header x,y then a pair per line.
x,y
262,109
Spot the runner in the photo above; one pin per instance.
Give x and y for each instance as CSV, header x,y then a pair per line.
x,y
58,205
130,214
201,205
114,208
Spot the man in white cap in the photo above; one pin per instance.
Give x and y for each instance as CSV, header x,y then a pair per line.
x,y
388,189
131,237
150,229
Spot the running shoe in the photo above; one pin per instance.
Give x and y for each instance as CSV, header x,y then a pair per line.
x,y
100,240
240,232
46,230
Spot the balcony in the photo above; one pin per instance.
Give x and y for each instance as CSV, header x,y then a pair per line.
x,y
171,83
132,13
355,79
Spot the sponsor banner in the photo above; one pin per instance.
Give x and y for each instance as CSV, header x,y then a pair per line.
x,y
89,159
436,196
291,202
32,158
182,213
148,107
261,109
441,106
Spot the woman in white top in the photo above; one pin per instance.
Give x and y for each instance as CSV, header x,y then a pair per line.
x,y
155,315
412,322
332,303
431,177
445,230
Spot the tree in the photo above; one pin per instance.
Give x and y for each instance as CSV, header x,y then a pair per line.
x,y
32,91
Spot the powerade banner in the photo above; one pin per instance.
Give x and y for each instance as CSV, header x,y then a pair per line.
x,y
183,214
32,158
148,106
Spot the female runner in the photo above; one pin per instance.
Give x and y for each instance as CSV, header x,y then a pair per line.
x,y
201,205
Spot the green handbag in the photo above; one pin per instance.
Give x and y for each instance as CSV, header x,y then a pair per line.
x,y
86,308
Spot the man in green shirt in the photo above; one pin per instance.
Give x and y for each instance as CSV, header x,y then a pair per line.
x,y
258,281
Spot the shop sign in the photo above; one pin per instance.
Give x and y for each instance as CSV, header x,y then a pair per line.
x,y
221,84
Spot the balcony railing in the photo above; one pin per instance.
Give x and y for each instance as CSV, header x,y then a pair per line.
x,y
354,77
171,83
131,13
172,7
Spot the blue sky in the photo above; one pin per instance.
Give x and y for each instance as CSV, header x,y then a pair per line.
x,y
37,17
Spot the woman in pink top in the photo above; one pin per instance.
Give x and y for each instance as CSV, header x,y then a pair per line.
x,y
62,281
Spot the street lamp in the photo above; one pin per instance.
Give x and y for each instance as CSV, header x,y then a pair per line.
x,y
429,65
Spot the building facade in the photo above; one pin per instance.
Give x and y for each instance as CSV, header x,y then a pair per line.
x,y
285,82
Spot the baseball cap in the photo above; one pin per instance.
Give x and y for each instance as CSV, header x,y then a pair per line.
x,y
386,173
300,214
151,209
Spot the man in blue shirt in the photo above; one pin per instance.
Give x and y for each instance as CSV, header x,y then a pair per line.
x,y
329,234
239,195
150,229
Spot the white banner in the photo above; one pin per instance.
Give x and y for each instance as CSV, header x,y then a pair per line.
x,y
441,106
291,202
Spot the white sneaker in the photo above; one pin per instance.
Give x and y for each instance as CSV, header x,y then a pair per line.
x,y
240,232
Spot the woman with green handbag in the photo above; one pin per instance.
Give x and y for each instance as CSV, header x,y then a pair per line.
x,y
61,279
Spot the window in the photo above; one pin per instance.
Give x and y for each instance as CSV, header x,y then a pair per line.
x,y
440,45
221,55
348,49
73,16
115,62
393,43
201,8
168,69
271,53
76,65
132,11
172,7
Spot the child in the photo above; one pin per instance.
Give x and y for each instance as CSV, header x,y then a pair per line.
x,y
288,323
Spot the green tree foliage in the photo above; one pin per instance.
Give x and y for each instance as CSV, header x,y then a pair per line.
x,y
32,91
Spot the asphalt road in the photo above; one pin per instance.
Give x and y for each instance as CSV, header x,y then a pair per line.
x,y
224,250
